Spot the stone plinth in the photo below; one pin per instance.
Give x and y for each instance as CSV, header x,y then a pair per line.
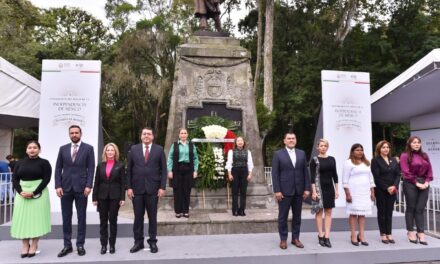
x,y
216,71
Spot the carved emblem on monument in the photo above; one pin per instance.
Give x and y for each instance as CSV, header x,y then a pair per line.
x,y
215,84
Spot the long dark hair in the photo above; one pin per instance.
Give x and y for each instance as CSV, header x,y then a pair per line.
x,y
363,159
410,151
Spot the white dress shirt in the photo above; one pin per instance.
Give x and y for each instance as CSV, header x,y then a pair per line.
x,y
72,146
292,155
144,147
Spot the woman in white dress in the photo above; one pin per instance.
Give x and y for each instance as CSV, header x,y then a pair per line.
x,y
359,186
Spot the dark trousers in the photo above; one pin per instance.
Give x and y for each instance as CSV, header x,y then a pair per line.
x,y
294,202
108,212
416,200
385,206
66,209
182,181
142,202
239,186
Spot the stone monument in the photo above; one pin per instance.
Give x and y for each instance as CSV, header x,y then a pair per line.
x,y
213,77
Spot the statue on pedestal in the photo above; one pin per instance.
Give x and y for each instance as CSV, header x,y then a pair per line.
x,y
206,9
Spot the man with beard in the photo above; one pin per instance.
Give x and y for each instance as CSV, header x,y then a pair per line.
x,y
73,182
206,9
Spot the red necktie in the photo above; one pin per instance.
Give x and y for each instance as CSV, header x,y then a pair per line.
x,y
147,152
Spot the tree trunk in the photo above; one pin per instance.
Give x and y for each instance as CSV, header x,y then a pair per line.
x,y
259,44
268,45
347,15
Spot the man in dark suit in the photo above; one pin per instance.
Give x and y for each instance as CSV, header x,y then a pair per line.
x,y
291,184
73,182
146,183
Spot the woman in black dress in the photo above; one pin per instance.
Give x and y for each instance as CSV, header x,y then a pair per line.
x,y
324,190
386,173
109,194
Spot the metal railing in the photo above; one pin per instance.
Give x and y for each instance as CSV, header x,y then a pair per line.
x,y
6,197
432,210
268,175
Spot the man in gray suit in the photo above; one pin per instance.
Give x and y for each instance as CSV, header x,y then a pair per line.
x,y
73,182
291,184
146,183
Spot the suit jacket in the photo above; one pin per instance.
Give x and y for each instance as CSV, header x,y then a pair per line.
x,y
76,175
112,187
385,175
146,177
288,179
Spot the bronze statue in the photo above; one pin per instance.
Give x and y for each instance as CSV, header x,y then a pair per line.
x,y
206,9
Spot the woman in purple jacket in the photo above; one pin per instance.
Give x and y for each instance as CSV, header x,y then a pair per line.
x,y
417,173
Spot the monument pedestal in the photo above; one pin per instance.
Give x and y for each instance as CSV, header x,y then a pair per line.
x,y
213,78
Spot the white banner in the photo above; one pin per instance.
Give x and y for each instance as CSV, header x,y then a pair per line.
x,y
431,145
346,116
69,96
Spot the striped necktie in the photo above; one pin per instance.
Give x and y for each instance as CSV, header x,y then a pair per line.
x,y
75,152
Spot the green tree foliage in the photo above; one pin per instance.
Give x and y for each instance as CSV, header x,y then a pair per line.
x,y
385,38
71,33
18,22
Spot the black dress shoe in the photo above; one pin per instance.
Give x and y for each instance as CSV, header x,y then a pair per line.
x,y
81,251
364,243
241,213
112,249
136,248
321,241
153,247
327,242
24,255
234,213
65,251
103,250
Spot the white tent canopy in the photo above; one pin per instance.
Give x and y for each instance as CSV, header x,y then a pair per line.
x,y
19,103
414,97
413,93
20,97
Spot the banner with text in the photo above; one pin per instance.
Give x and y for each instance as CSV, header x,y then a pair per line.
x,y
346,116
69,96
431,145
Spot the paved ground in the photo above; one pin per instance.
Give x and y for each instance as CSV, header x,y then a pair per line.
x,y
249,248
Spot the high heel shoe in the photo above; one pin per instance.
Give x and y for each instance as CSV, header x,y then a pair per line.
x,y
364,243
354,243
25,255
30,255
321,241
420,241
411,240
385,241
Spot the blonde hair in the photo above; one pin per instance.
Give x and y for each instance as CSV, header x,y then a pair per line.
x,y
104,157
325,141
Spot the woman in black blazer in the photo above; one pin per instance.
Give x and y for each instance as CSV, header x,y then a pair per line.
x,y
109,194
386,173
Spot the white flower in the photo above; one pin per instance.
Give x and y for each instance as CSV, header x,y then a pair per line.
x,y
214,131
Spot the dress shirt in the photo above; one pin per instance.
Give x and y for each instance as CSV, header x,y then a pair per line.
x,y
183,155
230,160
419,168
292,155
72,146
144,147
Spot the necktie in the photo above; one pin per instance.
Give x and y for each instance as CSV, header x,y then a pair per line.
x,y
147,152
75,152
